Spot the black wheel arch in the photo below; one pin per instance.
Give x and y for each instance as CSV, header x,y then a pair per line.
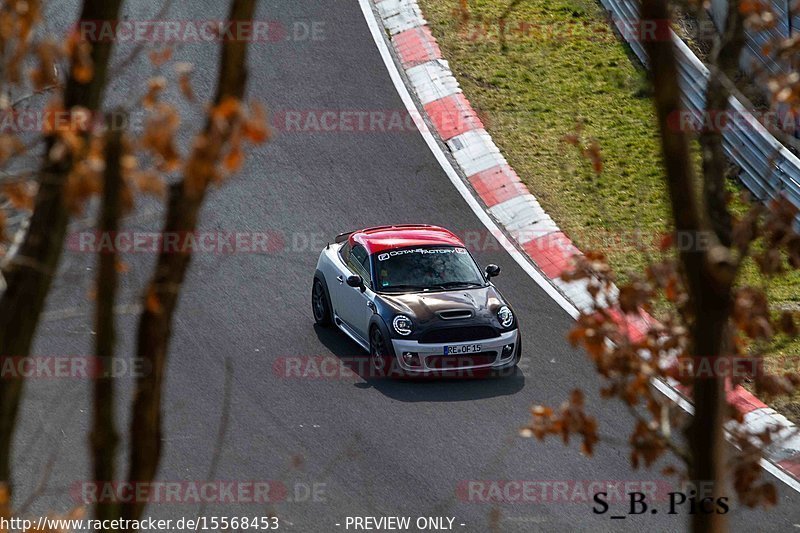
x,y
318,275
376,321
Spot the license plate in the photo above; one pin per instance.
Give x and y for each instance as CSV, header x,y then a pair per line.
x,y
462,349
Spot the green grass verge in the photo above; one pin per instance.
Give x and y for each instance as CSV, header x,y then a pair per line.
x,y
563,65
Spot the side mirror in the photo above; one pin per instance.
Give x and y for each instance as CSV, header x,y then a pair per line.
x,y
356,282
492,271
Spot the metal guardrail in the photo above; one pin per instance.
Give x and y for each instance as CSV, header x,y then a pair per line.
x,y
753,59
768,168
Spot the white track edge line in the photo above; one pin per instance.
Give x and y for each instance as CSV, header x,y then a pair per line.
x,y
377,35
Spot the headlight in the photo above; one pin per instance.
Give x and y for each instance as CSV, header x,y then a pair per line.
x,y
402,325
505,316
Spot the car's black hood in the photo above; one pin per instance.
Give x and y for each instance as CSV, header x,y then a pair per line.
x,y
428,307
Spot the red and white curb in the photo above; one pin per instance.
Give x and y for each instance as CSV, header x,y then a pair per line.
x,y
510,204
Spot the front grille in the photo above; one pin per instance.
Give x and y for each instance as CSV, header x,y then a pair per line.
x,y
460,334
443,362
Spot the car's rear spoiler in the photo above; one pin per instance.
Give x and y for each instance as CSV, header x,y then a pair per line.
x,y
343,236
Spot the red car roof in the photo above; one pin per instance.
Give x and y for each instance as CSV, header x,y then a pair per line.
x,y
384,238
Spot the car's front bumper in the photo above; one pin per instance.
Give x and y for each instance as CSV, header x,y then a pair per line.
x,y
433,361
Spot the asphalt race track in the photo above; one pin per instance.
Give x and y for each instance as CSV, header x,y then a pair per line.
x,y
368,447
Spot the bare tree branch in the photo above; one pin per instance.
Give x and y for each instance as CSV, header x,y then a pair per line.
x,y
502,19
709,273
40,487
29,275
139,48
223,427
103,437
723,66
161,295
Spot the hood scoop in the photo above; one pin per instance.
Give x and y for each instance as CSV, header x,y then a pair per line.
x,y
455,314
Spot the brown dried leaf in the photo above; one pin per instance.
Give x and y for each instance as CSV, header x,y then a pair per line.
x,y
149,182
159,57
152,302
226,110
154,88
667,241
595,157
10,146
255,128
185,85
787,324
80,54
233,159
19,194
572,139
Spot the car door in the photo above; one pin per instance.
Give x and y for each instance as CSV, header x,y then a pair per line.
x,y
354,308
336,281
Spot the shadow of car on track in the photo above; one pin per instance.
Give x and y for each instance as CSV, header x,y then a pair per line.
x,y
453,388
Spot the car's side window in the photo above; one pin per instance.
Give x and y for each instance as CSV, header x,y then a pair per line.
x,y
344,252
358,261
367,271
363,258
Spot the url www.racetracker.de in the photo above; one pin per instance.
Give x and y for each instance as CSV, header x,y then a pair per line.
x,y
202,523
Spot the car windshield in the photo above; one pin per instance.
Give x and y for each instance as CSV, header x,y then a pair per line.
x,y
427,268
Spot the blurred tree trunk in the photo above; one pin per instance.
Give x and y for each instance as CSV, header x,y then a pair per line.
x,y
723,66
103,437
161,294
30,273
708,273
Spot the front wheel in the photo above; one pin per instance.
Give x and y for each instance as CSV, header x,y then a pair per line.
x,y
380,359
319,304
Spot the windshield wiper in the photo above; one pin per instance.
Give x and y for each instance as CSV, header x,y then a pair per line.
x,y
451,284
444,286
406,287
